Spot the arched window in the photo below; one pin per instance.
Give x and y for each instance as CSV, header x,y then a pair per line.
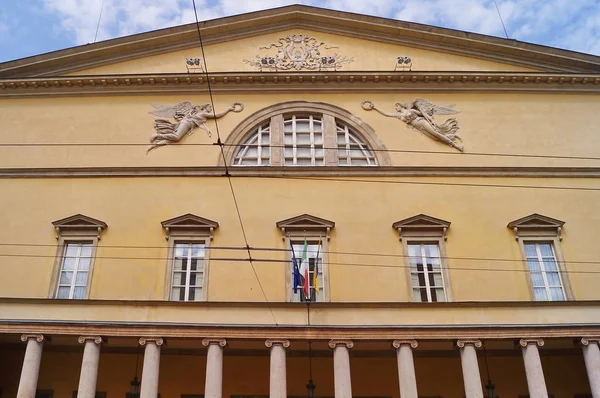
x,y
304,134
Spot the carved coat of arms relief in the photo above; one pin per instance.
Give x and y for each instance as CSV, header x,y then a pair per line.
x,y
298,52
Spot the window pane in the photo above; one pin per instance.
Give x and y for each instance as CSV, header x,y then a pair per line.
x,y
81,278
84,264
66,278
68,263
553,279
438,280
557,294
178,278
550,264
537,279
439,292
178,294
63,292
79,293
72,249
546,250
417,295
180,250
530,250
540,294
432,250
86,250
534,265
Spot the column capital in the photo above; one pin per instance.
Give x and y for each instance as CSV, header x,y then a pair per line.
x,y
399,343
587,340
270,342
463,342
526,342
207,341
334,343
95,339
39,337
156,340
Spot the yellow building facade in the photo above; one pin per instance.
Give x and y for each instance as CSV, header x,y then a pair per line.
x,y
384,208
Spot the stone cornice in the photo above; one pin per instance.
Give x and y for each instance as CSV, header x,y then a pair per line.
x,y
273,172
303,17
275,82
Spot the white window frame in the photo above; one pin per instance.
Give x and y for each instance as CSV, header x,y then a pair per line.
x,y
293,120
241,151
531,237
78,256
297,238
543,271
63,242
175,239
351,143
421,242
414,237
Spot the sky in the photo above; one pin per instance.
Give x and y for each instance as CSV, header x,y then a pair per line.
x,y
31,27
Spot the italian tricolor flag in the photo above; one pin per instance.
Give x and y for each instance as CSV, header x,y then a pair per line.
x,y
304,268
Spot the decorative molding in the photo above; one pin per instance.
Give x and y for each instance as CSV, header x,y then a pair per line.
x,y
585,341
188,117
156,340
461,343
376,29
335,342
525,342
299,171
80,225
398,343
421,225
188,224
303,223
419,113
38,337
285,343
207,341
537,224
275,82
95,339
298,52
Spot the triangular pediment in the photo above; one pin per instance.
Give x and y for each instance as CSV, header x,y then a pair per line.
x,y
230,40
79,221
421,221
190,221
536,221
305,221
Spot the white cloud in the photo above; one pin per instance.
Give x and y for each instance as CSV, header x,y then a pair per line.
x,y
560,23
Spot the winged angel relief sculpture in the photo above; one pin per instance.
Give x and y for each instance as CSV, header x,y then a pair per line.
x,y
299,52
188,117
419,115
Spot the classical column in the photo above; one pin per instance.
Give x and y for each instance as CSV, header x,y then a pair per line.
x,y
89,366
278,375
213,387
406,367
341,368
470,367
151,367
591,356
31,365
533,367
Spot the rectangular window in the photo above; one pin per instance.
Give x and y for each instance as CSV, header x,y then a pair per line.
x,y
312,249
426,272
74,270
188,271
303,141
543,268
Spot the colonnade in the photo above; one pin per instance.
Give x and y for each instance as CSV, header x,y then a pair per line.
x,y
278,386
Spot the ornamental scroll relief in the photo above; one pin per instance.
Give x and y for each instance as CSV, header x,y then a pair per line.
x,y
188,117
299,52
419,115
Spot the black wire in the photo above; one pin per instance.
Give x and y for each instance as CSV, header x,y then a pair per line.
x,y
451,184
501,20
220,144
329,263
276,249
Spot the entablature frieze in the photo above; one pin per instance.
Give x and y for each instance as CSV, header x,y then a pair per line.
x,y
272,82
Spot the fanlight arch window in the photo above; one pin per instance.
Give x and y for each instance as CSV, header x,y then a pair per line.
x,y
304,134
